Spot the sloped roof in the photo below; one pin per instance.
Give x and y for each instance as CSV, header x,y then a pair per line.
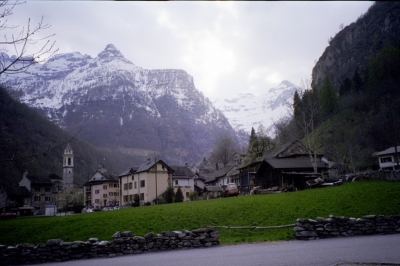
x,y
233,171
17,191
182,171
219,173
68,147
390,150
149,164
129,171
39,179
288,149
293,163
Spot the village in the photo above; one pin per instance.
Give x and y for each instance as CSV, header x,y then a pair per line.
x,y
284,168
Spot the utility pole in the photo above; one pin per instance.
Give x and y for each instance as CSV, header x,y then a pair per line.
x,y
155,167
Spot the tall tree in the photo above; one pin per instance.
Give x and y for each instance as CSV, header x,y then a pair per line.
x,y
224,150
328,98
308,120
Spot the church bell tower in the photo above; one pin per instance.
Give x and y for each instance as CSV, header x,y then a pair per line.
x,y
68,168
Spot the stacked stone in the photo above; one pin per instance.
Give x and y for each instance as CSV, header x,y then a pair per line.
x,y
334,226
123,243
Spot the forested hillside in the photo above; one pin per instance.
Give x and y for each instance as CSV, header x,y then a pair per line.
x,y
352,108
24,133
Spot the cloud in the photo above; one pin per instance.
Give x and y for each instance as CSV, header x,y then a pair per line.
x,y
228,47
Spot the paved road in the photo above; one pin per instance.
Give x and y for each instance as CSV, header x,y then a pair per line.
x,y
363,250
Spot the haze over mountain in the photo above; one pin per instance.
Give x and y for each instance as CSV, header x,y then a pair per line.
x,y
122,107
248,110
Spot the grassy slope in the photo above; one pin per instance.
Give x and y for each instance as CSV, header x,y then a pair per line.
x,y
351,199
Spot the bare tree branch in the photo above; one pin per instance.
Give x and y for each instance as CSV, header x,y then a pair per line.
x,y
20,41
34,156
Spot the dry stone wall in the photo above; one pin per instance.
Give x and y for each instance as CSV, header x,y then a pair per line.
x,y
56,250
334,226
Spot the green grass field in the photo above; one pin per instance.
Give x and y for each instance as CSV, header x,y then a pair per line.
x,y
351,199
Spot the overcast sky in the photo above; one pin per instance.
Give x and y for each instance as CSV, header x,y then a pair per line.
x,y
228,47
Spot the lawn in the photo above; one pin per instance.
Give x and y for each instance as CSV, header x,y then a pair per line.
x,y
351,199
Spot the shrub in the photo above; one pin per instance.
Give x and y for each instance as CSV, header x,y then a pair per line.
x,y
179,195
192,195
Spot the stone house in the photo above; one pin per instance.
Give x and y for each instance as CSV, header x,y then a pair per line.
x,y
148,181
388,158
43,189
287,165
102,189
183,177
11,198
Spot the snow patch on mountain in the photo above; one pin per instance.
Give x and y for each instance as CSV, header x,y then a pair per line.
x,y
248,110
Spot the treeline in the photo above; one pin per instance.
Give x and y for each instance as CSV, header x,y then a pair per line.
x,y
350,123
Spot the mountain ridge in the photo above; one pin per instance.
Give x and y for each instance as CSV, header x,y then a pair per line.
x,y
159,111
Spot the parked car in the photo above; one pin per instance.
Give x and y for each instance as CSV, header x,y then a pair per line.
x,y
108,208
8,215
230,190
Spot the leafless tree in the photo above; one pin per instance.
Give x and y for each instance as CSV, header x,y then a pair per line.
x,y
306,119
17,39
224,150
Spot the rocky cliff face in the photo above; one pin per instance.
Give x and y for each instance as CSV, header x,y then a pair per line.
x,y
353,47
120,106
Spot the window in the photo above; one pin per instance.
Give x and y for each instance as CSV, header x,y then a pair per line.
x,y
133,177
176,182
96,192
386,159
110,194
187,194
47,199
116,185
105,187
116,194
130,197
69,161
125,198
104,195
125,186
37,198
142,183
134,184
96,201
141,195
130,185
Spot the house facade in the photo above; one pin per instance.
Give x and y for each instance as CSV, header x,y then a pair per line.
x,y
183,177
389,158
147,181
102,189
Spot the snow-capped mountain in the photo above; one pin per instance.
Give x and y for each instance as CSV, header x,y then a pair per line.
x,y
120,106
247,110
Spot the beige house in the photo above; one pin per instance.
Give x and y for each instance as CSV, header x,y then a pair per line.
x,y
148,181
102,189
